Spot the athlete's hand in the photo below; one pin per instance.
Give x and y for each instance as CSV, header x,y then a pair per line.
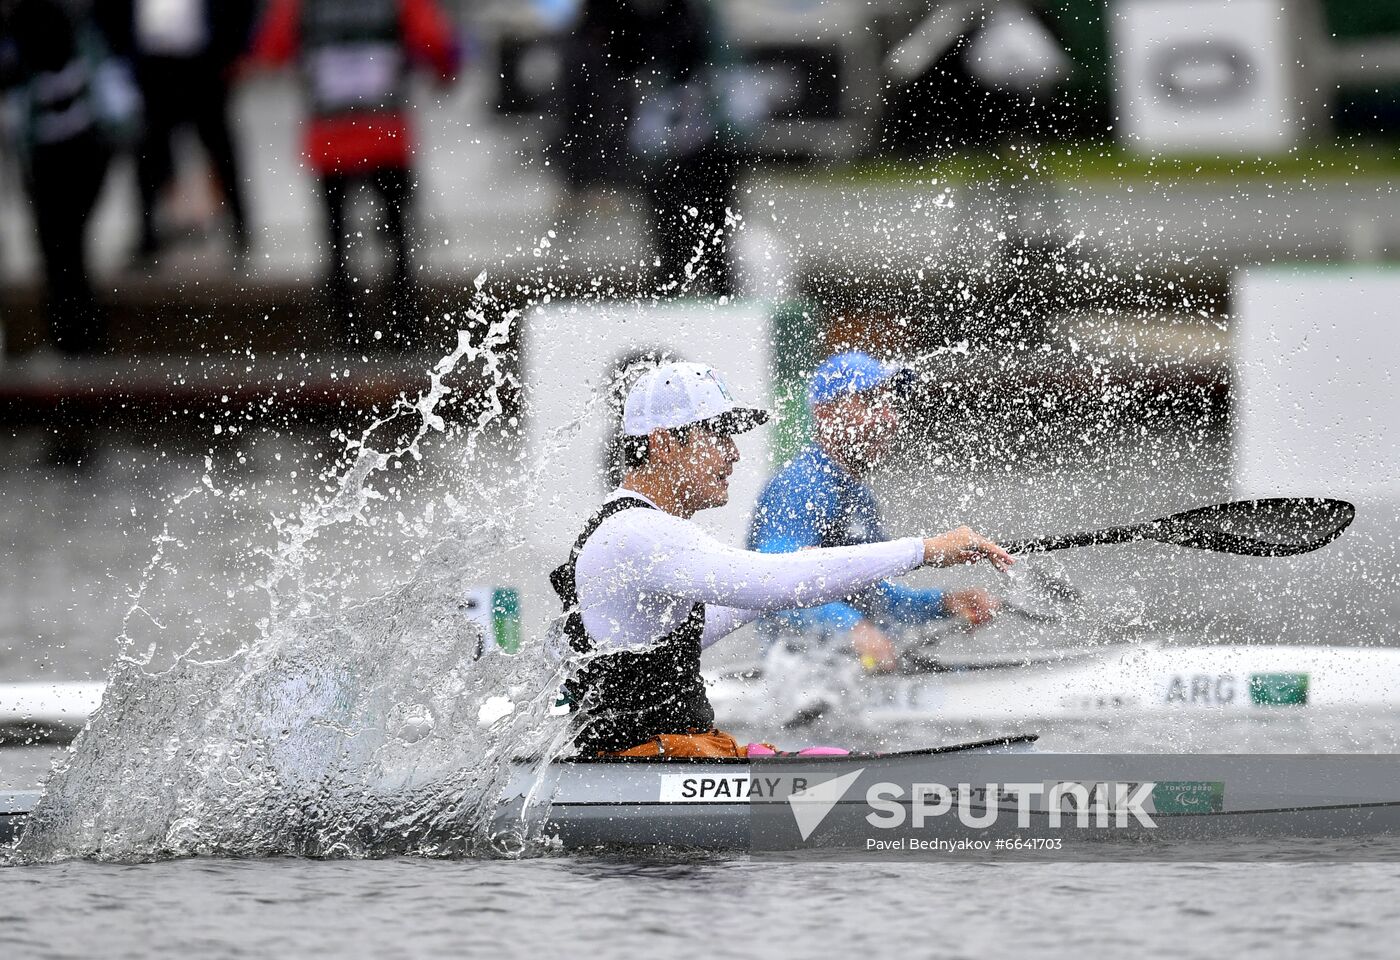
x,y
874,647
964,545
976,605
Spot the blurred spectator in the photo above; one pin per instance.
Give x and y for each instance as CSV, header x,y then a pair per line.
x,y
593,151
183,52
75,104
355,57
642,98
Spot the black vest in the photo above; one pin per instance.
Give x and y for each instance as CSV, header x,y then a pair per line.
x,y
624,699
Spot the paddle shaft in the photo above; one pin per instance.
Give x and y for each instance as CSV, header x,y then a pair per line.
x,y
1090,538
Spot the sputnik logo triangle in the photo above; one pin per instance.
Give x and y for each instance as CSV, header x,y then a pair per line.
x,y
810,806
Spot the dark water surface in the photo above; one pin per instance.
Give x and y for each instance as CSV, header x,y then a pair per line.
x,y
712,907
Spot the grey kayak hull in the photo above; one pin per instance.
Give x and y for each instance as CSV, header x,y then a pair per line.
x,y
594,802
1093,806
754,806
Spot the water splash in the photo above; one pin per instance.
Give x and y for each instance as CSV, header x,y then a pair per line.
x,y
359,716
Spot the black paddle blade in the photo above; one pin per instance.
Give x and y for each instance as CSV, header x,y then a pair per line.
x,y
1278,527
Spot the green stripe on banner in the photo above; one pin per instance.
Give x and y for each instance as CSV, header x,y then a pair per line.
x,y
505,617
796,337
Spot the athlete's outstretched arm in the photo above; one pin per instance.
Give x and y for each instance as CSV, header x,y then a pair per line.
x,y
685,562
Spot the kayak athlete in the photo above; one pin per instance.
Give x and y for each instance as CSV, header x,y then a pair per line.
x,y
645,589
819,499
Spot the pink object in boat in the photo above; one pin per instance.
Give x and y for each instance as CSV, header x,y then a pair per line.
x,y
823,752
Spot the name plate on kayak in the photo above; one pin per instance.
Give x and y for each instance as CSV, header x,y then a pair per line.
x,y
718,787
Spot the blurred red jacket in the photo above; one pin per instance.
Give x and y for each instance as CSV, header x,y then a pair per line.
x,y
355,57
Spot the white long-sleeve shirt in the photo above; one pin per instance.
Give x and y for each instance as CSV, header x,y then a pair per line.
x,y
642,570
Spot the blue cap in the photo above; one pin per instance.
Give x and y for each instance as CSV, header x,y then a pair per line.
x,y
853,372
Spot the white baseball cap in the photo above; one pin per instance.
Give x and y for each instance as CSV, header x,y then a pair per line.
x,y
679,394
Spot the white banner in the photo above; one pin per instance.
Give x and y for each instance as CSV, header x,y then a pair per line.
x,y
1317,397
1214,75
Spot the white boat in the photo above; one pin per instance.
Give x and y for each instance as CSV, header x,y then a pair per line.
x,y
46,710
1074,684
1053,685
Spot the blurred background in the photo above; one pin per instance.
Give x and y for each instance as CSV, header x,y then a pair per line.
x,y
201,163
230,229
